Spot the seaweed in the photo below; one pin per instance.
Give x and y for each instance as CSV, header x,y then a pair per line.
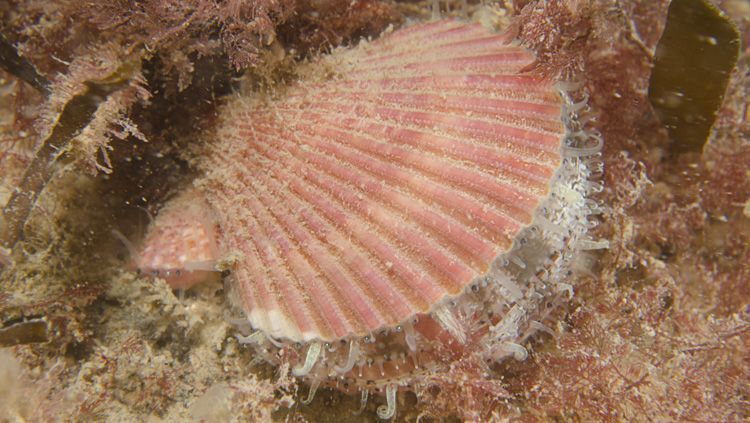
x,y
76,115
18,66
694,59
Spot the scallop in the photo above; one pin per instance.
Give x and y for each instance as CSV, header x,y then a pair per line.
x,y
180,245
411,202
384,184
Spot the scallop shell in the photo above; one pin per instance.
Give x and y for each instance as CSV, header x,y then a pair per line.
x,y
180,245
361,198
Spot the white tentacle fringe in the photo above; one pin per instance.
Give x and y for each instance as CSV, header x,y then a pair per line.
x,y
312,356
386,412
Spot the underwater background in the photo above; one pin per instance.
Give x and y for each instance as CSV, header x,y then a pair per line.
x,y
107,106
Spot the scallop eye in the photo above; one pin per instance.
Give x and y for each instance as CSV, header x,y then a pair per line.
x,y
155,272
178,272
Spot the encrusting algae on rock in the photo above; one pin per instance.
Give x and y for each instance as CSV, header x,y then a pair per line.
x,y
421,204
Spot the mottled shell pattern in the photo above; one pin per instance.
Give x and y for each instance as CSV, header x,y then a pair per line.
x,y
429,192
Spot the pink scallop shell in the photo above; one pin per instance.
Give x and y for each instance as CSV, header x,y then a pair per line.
x,y
356,202
180,246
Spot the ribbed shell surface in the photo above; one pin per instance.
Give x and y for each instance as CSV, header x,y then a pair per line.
x,y
355,202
